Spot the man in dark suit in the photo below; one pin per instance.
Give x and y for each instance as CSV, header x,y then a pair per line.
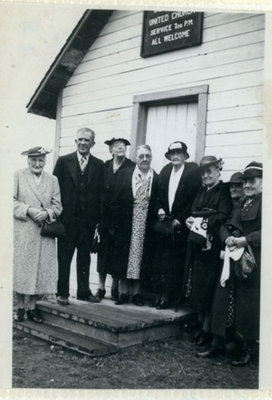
x,y
80,177
179,182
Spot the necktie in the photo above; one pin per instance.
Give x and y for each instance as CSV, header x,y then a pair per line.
x,y
83,163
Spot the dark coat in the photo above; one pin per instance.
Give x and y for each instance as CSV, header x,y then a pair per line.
x,y
122,213
171,250
105,255
202,267
66,170
246,292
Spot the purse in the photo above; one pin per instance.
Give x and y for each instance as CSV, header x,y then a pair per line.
x,y
244,267
164,227
54,229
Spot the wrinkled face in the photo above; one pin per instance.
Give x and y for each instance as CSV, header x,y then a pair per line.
x,y
143,159
210,175
118,149
84,141
236,190
177,158
36,164
253,186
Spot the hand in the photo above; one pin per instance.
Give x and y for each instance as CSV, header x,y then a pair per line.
x,y
161,214
230,241
40,217
241,242
189,222
176,223
33,211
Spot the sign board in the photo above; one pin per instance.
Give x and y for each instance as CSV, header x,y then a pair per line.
x,y
165,31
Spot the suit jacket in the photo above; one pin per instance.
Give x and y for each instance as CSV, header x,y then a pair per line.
x,y
122,213
66,170
188,186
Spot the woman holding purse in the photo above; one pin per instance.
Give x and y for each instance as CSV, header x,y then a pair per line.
x,y
36,199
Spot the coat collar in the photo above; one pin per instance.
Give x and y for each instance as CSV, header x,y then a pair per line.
x,y
39,190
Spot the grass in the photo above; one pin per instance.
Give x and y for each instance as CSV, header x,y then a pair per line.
x,y
169,364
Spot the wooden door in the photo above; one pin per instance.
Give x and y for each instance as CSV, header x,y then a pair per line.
x,y
168,123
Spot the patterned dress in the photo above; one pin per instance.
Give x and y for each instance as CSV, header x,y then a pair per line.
x,y
140,210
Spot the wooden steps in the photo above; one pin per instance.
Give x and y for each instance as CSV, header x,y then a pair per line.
x,y
102,328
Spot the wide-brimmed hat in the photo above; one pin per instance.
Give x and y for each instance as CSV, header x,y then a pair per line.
x,y
207,161
253,169
237,177
36,151
177,146
113,140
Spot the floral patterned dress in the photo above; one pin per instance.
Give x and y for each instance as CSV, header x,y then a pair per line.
x,y
140,210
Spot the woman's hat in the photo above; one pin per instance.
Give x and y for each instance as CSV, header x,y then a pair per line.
x,y
253,169
111,141
206,161
237,177
177,146
36,151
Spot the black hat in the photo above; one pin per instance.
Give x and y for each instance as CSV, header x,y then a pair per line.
x,y
36,151
253,169
237,177
177,146
206,161
111,141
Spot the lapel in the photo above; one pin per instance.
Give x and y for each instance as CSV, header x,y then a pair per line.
x,y
72,164
38,190
90,168
181,183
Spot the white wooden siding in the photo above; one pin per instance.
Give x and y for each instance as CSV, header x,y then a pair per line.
x,y
230,61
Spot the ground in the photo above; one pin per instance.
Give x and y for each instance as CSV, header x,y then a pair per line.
x,y
168,364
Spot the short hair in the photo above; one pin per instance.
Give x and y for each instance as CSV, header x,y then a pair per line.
x,y
143,146
86,130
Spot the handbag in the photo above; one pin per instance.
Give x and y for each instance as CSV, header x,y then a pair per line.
x,y
53,229
164,227
244,267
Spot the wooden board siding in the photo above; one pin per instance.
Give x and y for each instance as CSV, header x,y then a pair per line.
x,y
230,61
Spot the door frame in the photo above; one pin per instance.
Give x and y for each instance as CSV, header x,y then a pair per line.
x,y
141,103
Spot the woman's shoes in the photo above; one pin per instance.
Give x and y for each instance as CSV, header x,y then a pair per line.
x,y
34,315
19,316
114,294
137,299
241,360
100,294
123,298
203,338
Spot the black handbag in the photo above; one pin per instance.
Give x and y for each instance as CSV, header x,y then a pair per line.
x,y
53,230
164,227
244,267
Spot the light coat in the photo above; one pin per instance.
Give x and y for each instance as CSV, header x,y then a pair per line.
x,y
35,264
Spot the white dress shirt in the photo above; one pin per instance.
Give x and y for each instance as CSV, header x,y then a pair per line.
x,y
173,185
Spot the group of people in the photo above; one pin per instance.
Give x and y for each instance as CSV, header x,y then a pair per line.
x,y
177,238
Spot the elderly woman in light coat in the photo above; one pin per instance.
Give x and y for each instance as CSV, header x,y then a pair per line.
x,y
36,199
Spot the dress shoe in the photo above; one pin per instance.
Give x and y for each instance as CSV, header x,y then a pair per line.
x,y
62,300
34,315
164,304
138,300
123,298
114,294
204,338
210,352
100,294
19,316
155,303
241,360
91,298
